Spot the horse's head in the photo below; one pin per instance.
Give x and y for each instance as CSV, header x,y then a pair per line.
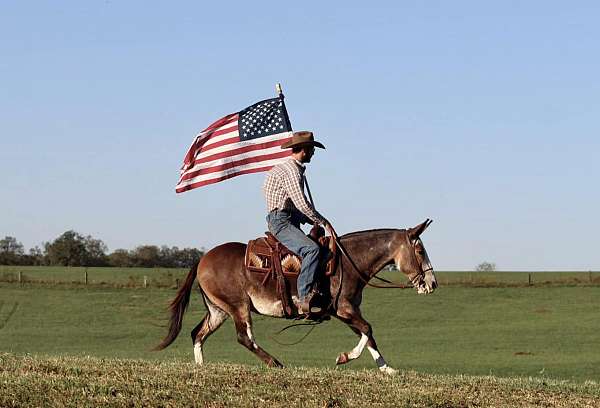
x,y
411,258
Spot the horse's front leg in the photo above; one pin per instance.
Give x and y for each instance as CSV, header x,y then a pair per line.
x,y
364,330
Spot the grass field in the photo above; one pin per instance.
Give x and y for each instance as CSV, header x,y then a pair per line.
x,y
546,332
165,277
117,277
72,381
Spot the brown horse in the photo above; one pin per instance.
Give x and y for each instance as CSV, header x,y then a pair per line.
x,y
228,289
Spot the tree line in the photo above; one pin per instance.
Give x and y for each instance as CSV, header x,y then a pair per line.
x,y
74,249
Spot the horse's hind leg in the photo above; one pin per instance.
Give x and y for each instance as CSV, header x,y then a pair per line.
x,y
210,323
243,327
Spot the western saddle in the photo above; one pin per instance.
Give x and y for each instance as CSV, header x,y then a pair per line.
x,y
272,262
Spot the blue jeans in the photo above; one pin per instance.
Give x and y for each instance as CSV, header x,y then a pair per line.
x,y
286,228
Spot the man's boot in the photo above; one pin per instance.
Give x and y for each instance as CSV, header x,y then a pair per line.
x,y
306,307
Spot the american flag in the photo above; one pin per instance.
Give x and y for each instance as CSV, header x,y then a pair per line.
x,y
248,141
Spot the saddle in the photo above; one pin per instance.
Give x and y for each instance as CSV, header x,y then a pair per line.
x,y
274,263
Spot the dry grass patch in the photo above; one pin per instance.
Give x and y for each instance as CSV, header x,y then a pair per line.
x,y
69,381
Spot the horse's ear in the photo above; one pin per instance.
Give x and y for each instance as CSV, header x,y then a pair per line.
x,y
415,232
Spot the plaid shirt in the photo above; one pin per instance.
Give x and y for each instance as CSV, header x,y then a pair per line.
x,y
284,190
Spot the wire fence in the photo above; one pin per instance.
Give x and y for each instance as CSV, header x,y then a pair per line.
x,y
172,278
515,278
94,276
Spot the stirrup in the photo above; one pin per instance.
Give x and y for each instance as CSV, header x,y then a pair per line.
x,y
316,317
311,309
314,310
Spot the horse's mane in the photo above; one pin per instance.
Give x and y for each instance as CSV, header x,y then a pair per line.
x,y
355,234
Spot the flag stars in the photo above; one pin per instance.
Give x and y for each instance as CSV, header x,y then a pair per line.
x,y
262,119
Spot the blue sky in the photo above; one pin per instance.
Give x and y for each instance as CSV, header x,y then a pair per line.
x,y
480,115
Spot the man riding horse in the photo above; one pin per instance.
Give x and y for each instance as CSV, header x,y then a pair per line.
x,y
288,208
231,289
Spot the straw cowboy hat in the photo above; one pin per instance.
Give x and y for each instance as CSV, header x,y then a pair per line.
x,y
302,138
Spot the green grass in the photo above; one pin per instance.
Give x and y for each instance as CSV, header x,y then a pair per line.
x,y
38,381
166,277
548,332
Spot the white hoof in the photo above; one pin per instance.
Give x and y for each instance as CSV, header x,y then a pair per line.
x,y
198,357
388,370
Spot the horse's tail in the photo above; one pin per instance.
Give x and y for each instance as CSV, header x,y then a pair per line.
x,y
177,308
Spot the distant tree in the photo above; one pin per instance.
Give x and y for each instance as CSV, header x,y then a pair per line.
x,y
151,256
11,251
121,258
486,267
66,250
95,252
73,249
35,257
11,245
147,256
187,257
167,256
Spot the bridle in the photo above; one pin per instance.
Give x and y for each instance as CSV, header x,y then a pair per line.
x,y
414,279
430,267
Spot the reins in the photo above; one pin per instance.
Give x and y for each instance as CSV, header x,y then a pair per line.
x,y
391,285
312,324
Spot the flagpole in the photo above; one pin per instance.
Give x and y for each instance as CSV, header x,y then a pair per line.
x,y
279,91
280,95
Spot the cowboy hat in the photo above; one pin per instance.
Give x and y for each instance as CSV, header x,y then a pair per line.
x,y
302,138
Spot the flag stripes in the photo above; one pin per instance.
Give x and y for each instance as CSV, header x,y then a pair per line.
x,y
225,174
235,159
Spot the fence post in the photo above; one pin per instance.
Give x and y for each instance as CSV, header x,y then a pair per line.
x,y
145,281
177,283
86,276
20,277
529,279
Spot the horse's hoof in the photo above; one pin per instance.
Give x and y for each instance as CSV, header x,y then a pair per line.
x,y
274,364
388,370
342,359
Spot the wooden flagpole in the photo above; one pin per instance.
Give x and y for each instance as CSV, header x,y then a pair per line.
x,y
279,91
280,94
282,97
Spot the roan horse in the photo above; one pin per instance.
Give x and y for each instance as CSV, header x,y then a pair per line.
x,y
229,290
